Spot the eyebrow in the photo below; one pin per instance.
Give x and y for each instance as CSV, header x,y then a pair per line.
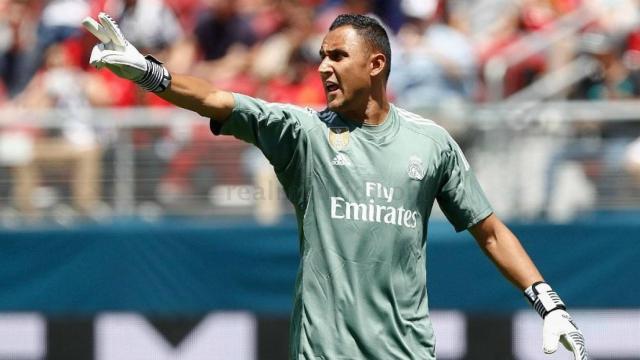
x,y
322,52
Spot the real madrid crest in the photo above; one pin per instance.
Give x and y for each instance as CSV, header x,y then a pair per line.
x,y
339,137
416,168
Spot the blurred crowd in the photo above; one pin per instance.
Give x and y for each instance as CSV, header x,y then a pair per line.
x,y
442,51
268,48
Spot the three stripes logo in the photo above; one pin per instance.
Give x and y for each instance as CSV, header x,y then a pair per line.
x,y
341,160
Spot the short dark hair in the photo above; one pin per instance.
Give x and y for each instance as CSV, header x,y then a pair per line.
x,y
371,31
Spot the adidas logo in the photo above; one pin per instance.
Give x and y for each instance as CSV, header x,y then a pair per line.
x,y
341,160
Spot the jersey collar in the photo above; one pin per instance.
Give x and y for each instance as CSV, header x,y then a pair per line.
x,y
378,134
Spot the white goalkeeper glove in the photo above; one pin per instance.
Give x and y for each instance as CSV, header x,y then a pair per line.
x,y
116,54
558,326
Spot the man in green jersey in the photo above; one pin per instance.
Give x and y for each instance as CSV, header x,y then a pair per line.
x,y
363,176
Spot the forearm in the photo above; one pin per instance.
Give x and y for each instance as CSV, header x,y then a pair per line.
x,y
118,55
506,252
198,95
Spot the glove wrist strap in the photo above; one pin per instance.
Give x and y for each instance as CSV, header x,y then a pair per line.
x,y
156,78
543,299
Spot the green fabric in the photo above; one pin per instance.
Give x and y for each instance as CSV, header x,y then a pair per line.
x,y
362,195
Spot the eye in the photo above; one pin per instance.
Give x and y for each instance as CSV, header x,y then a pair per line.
x,y
334,55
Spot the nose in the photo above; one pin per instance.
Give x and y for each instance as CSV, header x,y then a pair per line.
x,y
324,68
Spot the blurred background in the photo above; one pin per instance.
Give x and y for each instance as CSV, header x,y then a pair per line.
x,y
128,231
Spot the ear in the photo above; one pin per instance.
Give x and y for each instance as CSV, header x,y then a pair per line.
x,y
377,63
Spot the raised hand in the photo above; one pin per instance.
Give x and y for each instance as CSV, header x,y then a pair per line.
x,y
118,55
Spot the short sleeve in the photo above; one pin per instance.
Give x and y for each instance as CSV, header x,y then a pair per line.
x,y
460,196
276,129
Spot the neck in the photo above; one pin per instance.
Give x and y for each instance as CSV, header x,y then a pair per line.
x,y
374,111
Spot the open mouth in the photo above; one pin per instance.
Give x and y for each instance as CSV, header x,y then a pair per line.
x,y
331,87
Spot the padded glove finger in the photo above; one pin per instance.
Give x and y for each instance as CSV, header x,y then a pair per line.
x,y
96,29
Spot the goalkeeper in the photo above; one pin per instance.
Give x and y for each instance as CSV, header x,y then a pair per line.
x,y
362,175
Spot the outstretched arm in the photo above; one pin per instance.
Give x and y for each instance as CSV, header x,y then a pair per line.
x,y
505,250
116,54
198,95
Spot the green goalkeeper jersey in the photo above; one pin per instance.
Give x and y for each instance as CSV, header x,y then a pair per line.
x,y
362,196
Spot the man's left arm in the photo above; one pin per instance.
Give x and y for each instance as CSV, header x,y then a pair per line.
x,y
506,252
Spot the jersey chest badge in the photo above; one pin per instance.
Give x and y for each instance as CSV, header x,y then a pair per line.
x,y
339,137
416,169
